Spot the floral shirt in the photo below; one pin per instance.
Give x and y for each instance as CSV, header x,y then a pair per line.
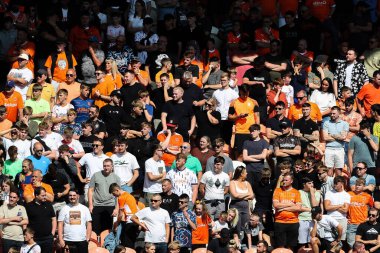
x,y
122,58
182,229
359,76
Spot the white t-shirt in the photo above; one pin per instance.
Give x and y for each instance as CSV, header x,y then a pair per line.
x,y
60,111
23,147
92,163
49,140
214,184
136,22
156,168
123,166
325,227
74,220
217,226
102,17
155,220
25,248
337,198
224,99
74,145
25,74
349,68
289,93
324,100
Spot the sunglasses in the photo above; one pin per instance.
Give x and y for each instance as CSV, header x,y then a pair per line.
x,y
207,104
69,75
95,145
218,146
372,215
39,150
300,98
154,200
320,173
278,108
182,202
98,73
40,75
358,168
184,147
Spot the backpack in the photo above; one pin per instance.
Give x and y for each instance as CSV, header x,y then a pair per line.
x,y
111,241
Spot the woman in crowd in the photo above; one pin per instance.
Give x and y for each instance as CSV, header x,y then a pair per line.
x,y
204,151
113,74
209,120
324,97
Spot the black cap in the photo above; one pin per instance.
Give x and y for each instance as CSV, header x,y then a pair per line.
x,y
285,124
42,72
315,210
171,123
116,93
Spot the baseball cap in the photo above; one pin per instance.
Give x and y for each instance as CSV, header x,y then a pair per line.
x,y
135,59
171,123
42,72
23,56
10,84
116,93
321,58
284,124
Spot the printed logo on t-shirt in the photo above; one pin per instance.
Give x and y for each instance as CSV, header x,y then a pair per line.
x,y
61,64
74,218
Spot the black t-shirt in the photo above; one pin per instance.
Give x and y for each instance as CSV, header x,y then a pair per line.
x,y
86,142
169,202
305,127
181,113
57,182
216,246
287,142
274,123
264,194
369,232
194,69
173,41
112,116
204,125
313,175
98,126
289,37
192,93
154,62
157,96
135,121
130,93
40,215
255,148
142,149
257,91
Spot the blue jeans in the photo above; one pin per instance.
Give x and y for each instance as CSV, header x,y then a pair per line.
x,y
127,188
161,247
351,232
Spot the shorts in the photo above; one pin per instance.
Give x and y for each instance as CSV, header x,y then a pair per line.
x,y
351,232
304,232
334,158
286,234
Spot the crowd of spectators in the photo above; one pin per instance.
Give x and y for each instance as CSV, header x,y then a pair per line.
x,y
189,126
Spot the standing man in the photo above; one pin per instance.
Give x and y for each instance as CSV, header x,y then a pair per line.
x,y
211,78
40,107
130,90
362,148
22,76
350,73
287,203
369,95
213,186
244,112
13,218
155,173
42,220
169,199
336,203
218,146
305,128
48,92
82,104
72,86
184,180
192,162
101,203
295,111
224,96
254,153
183,222
287,147
334,133
155,222
125,165
74,224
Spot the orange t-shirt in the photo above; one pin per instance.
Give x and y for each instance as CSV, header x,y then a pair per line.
x,y
61,66
358,208
200,234
214,53
117,81
72,89
201,69
282,196
105,88
127,203
29,48
144,75
287,5
308,54
295,112
175,143
29,190
248,106
261,36
13,104
370,96
320,9
6,124
272,104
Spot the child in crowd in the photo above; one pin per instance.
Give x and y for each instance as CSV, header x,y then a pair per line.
x,y
253,231
59,111
30,245
71,116
115,29
219,224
